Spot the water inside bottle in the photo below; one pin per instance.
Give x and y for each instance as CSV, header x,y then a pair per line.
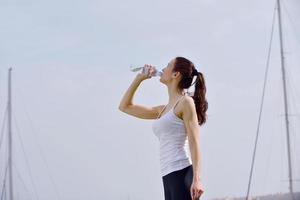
x,y
136,68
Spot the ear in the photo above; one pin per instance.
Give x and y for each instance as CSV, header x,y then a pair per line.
x,y
176,74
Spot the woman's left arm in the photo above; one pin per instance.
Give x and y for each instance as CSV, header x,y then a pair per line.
x,y
189,116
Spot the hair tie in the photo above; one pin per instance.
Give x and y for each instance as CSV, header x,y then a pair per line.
x,y
195,72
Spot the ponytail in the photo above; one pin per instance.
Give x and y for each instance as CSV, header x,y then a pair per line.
x,y
188,71
200,99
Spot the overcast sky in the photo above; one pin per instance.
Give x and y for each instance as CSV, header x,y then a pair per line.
x,y
71,63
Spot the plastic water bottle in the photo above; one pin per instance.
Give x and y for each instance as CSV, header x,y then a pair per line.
x,y
135,69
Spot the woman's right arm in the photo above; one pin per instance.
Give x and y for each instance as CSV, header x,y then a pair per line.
x,y
127,105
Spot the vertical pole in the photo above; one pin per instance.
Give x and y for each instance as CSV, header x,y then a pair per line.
x,y
11,195
285,99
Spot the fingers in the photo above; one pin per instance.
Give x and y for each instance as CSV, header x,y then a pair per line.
x,y
149,69
193,194
196,194
146,70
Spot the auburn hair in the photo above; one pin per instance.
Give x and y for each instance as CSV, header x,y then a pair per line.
x,y
188,71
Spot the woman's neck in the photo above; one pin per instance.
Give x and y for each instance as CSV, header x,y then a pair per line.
x,y
174,94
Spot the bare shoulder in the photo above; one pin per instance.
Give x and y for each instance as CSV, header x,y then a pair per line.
x,y
185,100
188,100
188,105
183,105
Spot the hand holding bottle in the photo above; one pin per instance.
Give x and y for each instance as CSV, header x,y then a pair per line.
x,y
147,72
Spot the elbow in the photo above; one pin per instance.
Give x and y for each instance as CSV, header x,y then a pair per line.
x,y
124,107
121,108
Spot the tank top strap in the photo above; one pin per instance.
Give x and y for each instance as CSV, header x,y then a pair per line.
x,y
177,102
161,111
171,108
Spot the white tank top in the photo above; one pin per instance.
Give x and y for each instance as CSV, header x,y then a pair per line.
x,y
173,143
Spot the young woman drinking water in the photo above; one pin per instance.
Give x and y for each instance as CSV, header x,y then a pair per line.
x,y
176,125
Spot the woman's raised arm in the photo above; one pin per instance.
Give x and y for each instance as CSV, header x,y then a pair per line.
x,y
127,105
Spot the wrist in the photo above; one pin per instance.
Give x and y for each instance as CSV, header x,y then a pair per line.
x,y
197,178
139,77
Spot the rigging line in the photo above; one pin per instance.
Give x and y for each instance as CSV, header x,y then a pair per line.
x,y
25,156
40,148
4,181
270,145
291,21
3,126
2,133
21,179
282,153
262,99
3,193
292,97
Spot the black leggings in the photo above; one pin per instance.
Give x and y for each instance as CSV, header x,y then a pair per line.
x,y
177,184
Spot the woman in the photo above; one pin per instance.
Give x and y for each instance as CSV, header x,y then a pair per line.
x,y
174,124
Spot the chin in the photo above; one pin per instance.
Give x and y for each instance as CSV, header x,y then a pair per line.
x,y
161,80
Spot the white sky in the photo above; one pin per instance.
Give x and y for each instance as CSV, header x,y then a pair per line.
x,y
71,62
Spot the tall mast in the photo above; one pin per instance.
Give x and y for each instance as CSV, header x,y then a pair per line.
x,y
10,137
286,110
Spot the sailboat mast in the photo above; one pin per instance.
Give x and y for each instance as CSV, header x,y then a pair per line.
x,y
10,137
285,98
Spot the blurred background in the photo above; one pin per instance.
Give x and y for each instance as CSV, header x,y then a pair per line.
x,y
70,68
